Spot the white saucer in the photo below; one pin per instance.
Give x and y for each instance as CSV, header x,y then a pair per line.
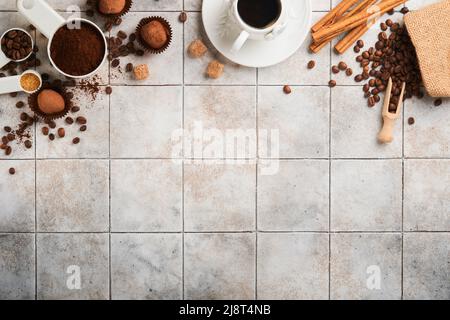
x,y
255,53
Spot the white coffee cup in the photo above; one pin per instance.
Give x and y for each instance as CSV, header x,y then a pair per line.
x,y
41,15
263,34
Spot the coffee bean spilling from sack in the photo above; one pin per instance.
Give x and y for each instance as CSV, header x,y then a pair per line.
x,y
393,56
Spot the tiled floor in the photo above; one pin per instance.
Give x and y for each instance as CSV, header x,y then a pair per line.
x,y
341,217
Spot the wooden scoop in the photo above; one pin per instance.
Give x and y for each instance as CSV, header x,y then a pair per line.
x,y
386,133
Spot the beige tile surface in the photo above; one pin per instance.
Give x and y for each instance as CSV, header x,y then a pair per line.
x,y
219,266
17,269
146,266
146,196
292,266
72,195
312,217
72,266
366,195
219,197
426,266
366,266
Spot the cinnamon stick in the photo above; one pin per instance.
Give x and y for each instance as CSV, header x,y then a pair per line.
x,y
356,33
364,4
336,12
354,21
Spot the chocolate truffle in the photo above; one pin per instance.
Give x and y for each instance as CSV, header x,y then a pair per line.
x,y
154,34
111,6
50,101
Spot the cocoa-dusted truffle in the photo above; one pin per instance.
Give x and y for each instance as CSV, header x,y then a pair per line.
x,y
197,49
154,34
215,69
111,6
50,101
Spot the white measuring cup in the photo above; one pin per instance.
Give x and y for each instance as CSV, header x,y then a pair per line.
x,y
41,15
4,60
12,84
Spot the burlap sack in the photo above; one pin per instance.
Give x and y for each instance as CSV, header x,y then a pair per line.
x,y
429,29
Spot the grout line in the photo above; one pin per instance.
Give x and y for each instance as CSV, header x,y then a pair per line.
x,y
232,232
256,180
403,195
229,159
35,201
109,182
182,164
329,169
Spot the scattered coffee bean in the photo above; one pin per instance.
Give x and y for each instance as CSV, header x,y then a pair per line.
x,y
45,131
335,69
83,128
437,102
51,136
23,116
69,120
287,89
360,44
122,35
28,144
8,150
129,67
356,49
10,137
115,63
311,64
20,104
411,121
52,124
75,109
108,90
76,140
81,120
349,72
182,17
359,78
404,10
12,171
7,129
332,83
61,132
342,66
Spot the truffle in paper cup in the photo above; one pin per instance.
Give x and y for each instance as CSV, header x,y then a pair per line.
x,y
125,10
144,44
33,102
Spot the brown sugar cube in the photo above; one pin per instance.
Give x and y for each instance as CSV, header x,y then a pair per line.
x,y
215,69
197,49
141,72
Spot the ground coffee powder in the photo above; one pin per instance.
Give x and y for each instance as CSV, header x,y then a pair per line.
x,y
77,52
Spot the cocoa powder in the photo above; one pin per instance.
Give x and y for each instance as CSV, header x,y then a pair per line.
x,y
77,52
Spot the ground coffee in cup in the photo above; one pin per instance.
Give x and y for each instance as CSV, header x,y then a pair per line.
x,y
77,52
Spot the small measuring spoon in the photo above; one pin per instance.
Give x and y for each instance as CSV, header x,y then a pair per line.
x,y
4,60
12,84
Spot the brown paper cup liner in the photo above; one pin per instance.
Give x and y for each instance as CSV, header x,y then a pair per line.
x,y
32,102
125,10
144,44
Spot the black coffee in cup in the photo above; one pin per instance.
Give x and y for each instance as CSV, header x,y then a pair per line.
x,y
259,13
